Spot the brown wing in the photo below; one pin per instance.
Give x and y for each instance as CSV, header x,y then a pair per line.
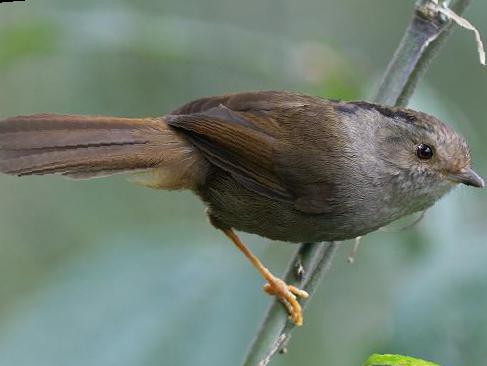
x,y
257,137
247,101
231,141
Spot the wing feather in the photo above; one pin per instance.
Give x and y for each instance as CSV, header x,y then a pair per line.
x,y
257,137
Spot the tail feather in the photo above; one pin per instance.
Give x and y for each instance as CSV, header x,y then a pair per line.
x,y
86,146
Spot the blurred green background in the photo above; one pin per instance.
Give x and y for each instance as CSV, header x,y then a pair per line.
x,y
104,273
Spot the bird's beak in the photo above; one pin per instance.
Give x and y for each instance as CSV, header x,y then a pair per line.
x,y
468,177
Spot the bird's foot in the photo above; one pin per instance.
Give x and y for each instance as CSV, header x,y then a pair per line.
x,y
288,295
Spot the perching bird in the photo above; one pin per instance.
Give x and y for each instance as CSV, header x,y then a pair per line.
x,y
285,166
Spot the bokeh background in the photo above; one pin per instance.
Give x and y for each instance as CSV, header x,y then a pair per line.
x,y
105,273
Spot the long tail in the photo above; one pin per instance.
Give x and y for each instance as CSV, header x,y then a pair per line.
x,y
87,146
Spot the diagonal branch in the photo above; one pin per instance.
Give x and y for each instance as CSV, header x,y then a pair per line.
x,y
426,33
424,36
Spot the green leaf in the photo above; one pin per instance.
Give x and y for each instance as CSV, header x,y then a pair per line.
x,y
396,360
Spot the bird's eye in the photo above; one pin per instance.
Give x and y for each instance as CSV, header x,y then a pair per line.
x,y
424,151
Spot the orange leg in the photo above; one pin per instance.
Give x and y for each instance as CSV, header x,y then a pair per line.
x,y
275,286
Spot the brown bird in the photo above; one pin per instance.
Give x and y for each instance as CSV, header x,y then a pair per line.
x,y
285,166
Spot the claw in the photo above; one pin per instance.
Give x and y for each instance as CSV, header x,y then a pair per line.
x,y
298,292
275,287
287,294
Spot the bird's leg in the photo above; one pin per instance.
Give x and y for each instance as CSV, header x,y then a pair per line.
x,y
287,294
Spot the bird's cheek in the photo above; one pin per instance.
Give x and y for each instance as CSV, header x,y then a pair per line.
x,y
443,177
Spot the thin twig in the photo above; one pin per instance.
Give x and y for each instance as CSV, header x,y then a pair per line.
x,y
305,270
425,34
423,38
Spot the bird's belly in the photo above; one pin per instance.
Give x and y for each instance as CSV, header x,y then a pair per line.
x,y
234,206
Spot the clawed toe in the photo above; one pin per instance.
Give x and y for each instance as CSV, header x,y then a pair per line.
x,y
287,294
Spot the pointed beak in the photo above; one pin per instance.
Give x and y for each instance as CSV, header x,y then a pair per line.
x,y
468,177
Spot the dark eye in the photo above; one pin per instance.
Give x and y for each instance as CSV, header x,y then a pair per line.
x,y
424,151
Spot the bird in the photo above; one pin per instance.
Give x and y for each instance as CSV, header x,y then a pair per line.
x,y
283,165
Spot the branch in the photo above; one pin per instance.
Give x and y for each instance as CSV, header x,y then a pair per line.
x,y
426,33
424,36
305,270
